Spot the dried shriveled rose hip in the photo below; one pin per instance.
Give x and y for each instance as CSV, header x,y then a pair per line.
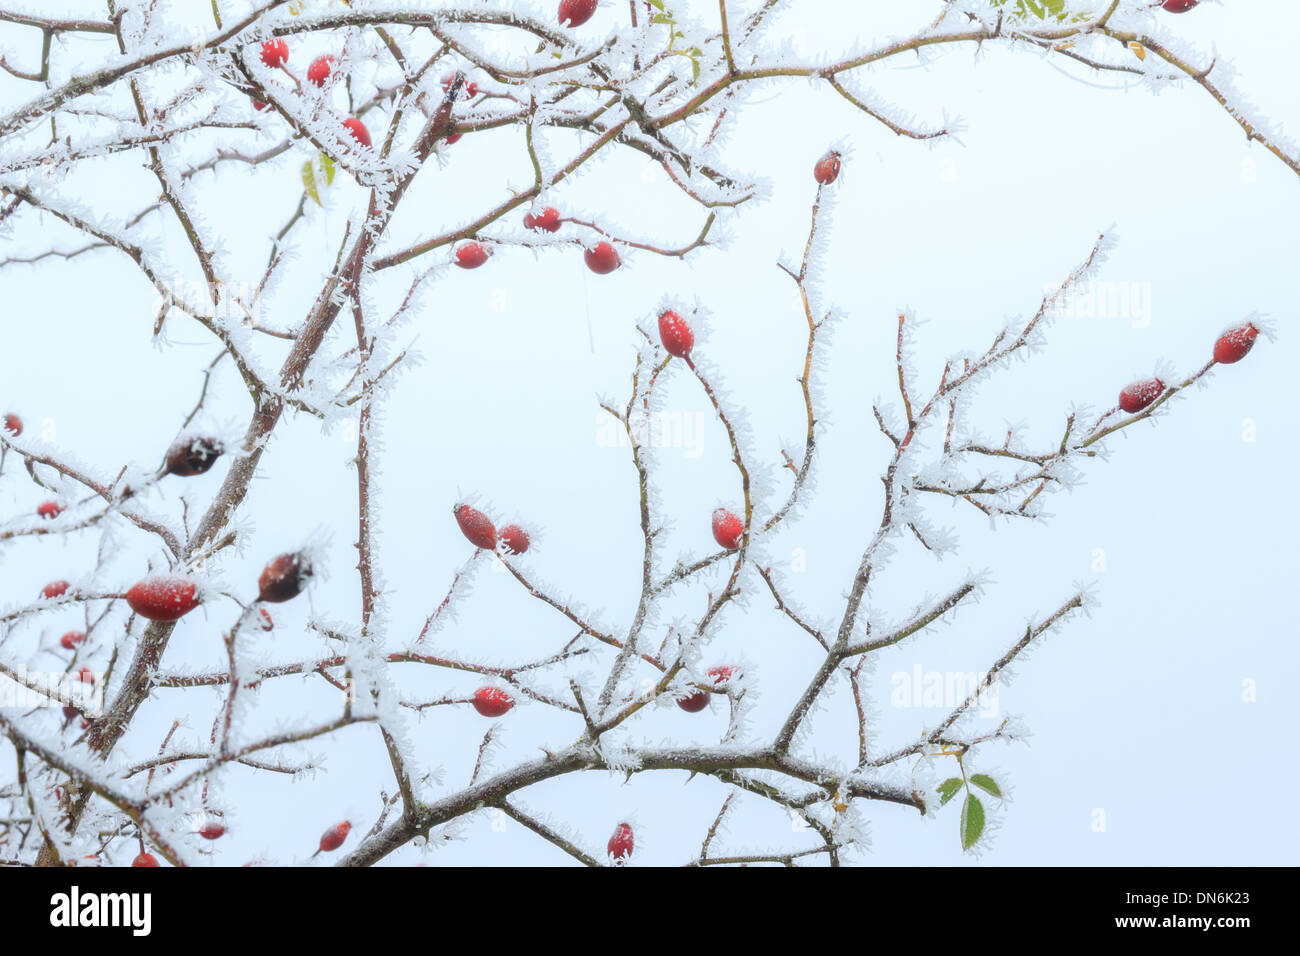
x,y
284,577
190,456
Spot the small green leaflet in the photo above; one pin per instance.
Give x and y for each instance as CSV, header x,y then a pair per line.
x,y
986,783
948,789
972,821
317,173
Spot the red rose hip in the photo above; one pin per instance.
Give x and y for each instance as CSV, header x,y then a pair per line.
x,y
212,831
275,53
1179,6
603,259
574,13
189,456
320,69
333,838
1233,344
621,844
727,529
694,703
145,859
548,220
676,335
13,424
1138,395
492,701
468,91
827,169
283,578
72,639
472,254
515,539
49,509
358,130
476,526
54,589
163,597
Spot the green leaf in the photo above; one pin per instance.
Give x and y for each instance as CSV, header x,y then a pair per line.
x,y
695,54
317,173
309,180
948,789
987,784
657,4
662,18
972,821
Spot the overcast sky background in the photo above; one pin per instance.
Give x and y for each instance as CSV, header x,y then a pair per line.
x,y
1138,713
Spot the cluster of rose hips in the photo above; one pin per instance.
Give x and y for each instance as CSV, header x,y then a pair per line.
x,y
275,54
482,533
479,530
1229,347
602,258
